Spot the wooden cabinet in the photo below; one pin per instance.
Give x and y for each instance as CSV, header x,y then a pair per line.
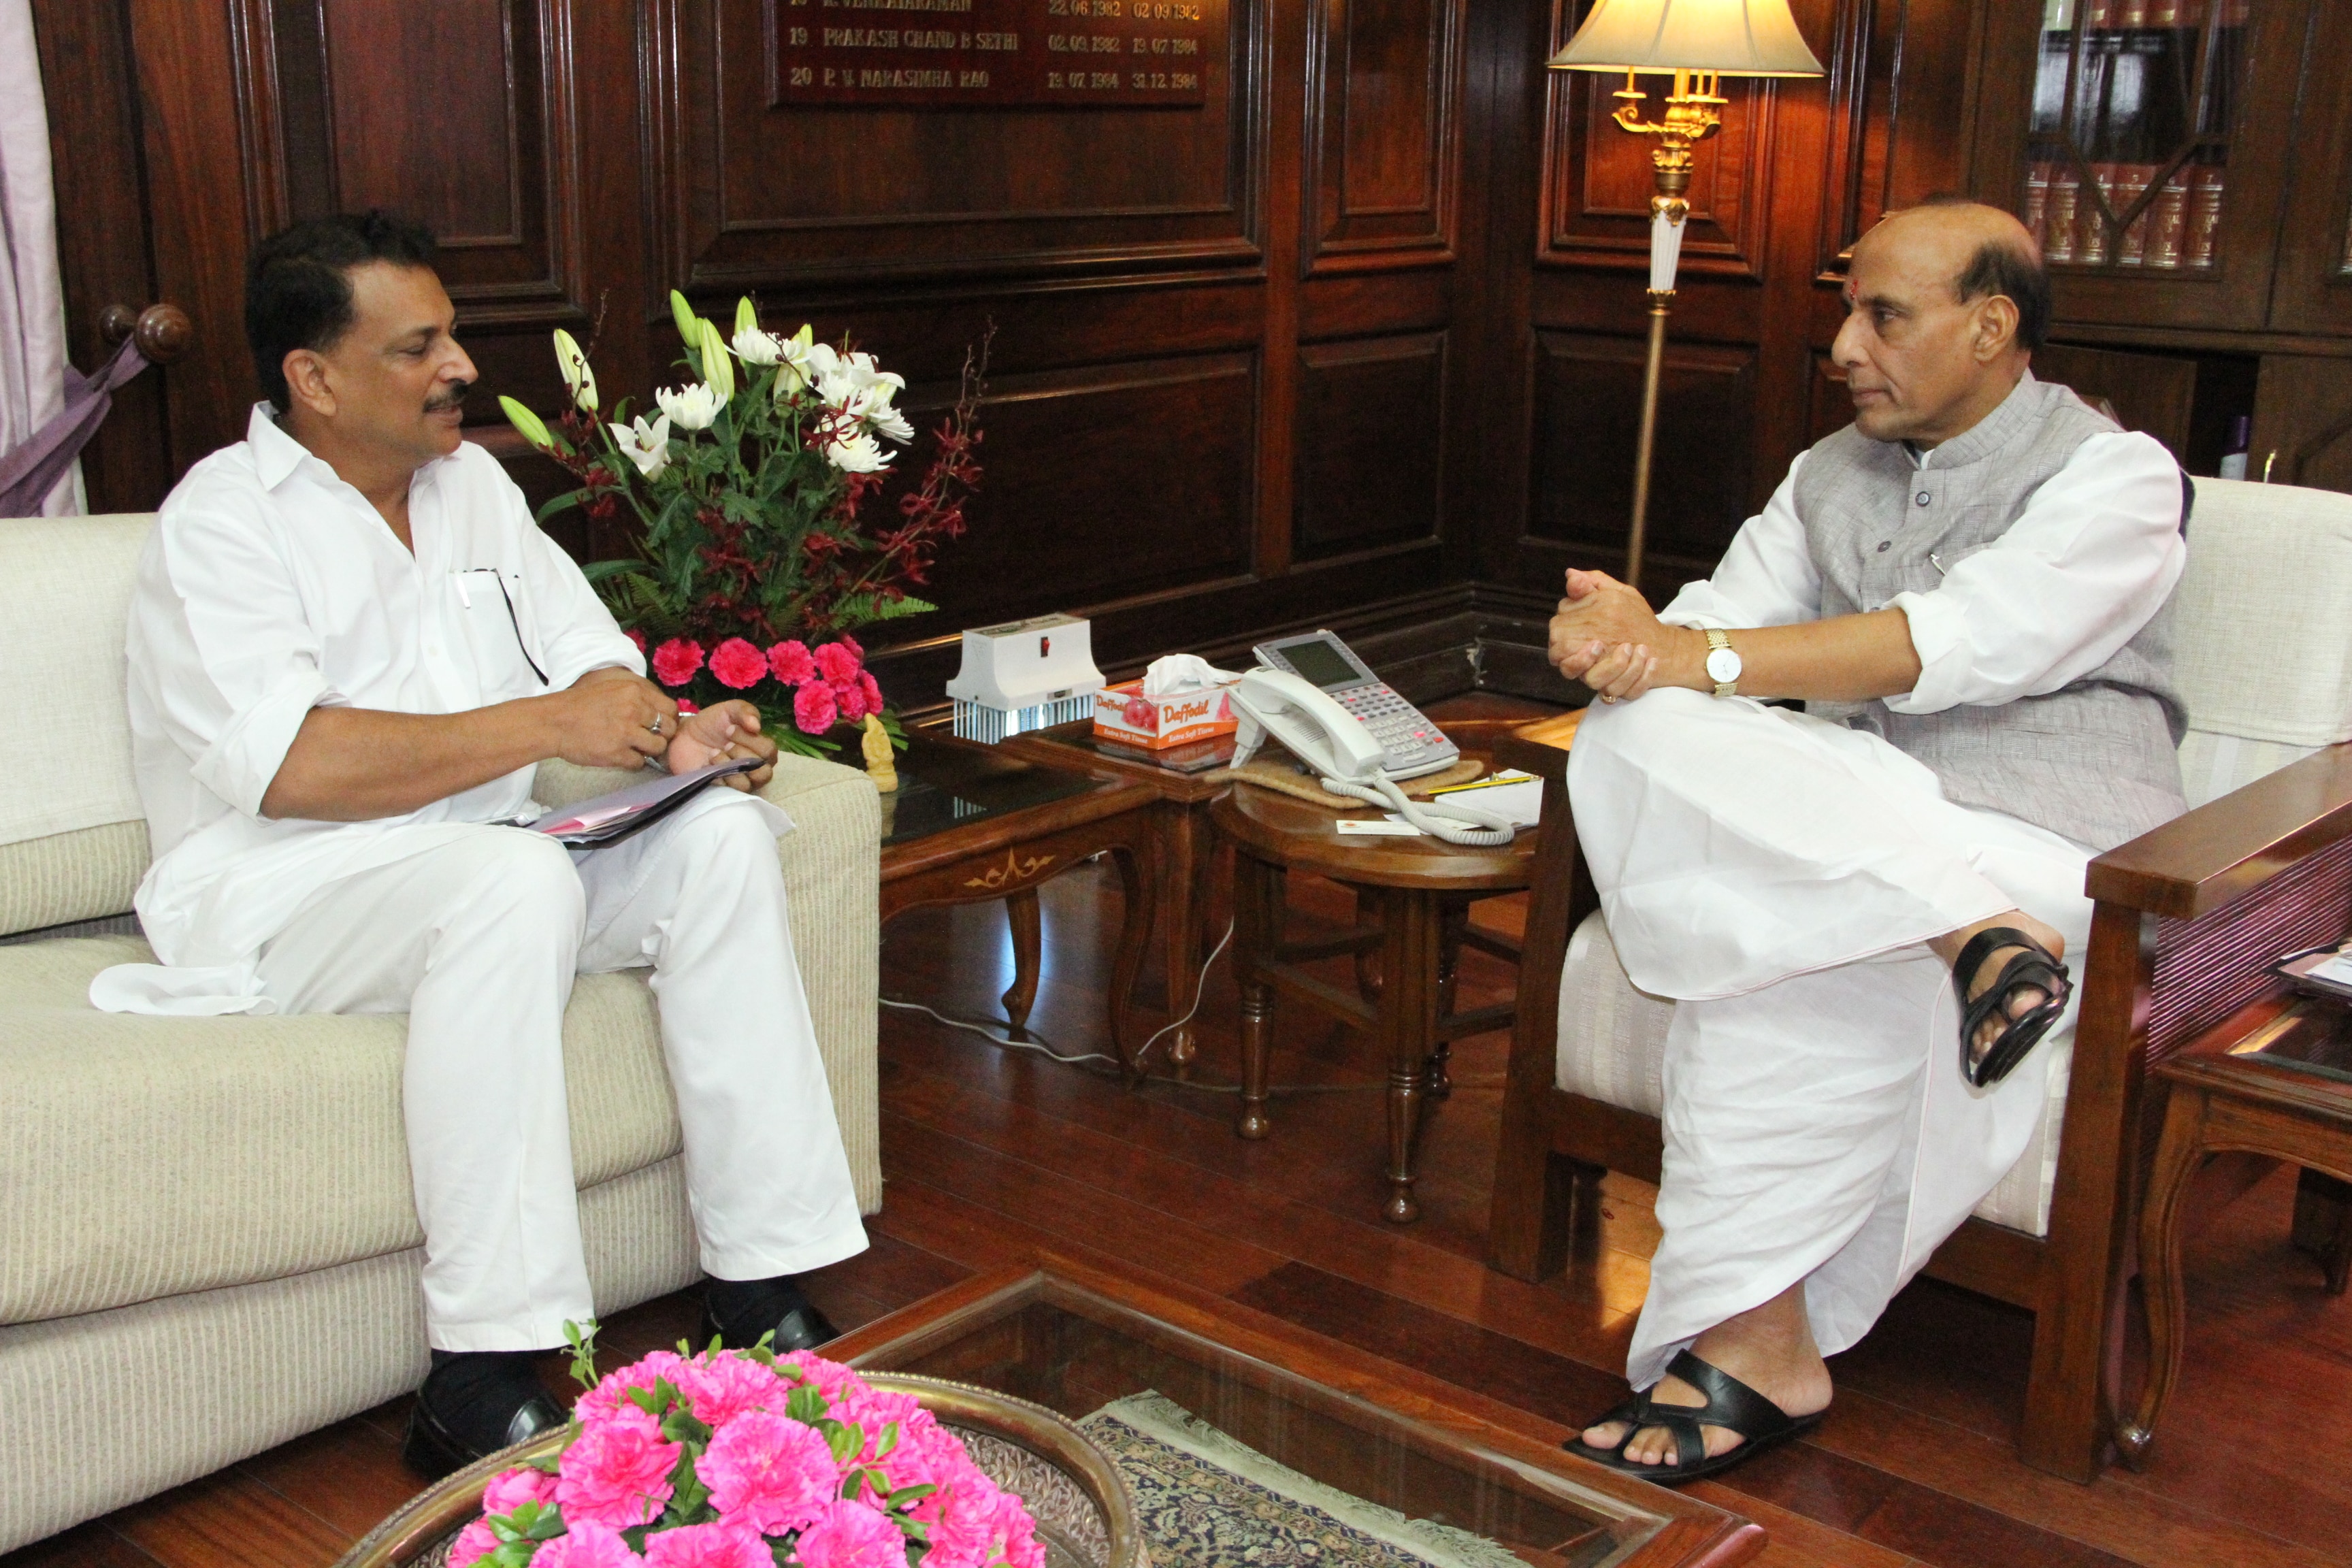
x,y
2188,166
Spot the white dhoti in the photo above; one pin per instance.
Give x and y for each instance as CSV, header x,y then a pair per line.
x,y
476,936
1778,876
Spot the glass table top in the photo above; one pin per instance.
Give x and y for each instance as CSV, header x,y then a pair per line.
x,y
1091,1357
944,784
2313,1037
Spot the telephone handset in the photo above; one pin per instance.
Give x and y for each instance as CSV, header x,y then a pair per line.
x,y
1335,744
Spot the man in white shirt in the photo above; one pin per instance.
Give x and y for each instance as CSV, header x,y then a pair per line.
x,y
350,648
1861,911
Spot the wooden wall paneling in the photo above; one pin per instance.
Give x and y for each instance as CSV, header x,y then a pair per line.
x,y
1828,407
1588,404
2148,391
1370,443
2303,415
756,194
1383,133
91,95
1903,79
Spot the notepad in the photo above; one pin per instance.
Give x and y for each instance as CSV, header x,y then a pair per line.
x,y
609,818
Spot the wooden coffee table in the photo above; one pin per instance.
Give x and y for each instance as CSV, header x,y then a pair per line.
x,y
1180,815
1074,1336
970,823
1418,892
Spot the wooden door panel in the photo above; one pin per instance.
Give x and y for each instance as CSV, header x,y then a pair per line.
x,y
753,194
1383,137
1892,131
1588,407
2313,294
1371,418
2303,422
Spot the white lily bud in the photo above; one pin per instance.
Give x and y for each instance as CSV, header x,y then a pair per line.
x,y
578,379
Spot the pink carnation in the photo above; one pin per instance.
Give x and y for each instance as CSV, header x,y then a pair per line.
x,y
724,1386
872,1411
510,1490
675,661
791,663
979,1525
851,700
770,1472
617,1472
687,709
839,661
852,1535
636,636
721,1545
587,1545
850,643
866,684
611,1394
473,1543
738,664
815,709
829,1378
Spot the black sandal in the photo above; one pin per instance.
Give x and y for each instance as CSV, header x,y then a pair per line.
x,y
2032,969
1731,1403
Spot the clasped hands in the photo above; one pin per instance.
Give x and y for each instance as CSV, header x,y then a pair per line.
x,y
614,718
1606,636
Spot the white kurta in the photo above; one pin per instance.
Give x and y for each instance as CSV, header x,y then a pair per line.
x,y
1778,876
272,587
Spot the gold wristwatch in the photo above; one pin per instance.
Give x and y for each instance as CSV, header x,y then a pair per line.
x,y
1722,663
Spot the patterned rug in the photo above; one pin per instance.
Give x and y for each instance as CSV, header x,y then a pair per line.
x,y
1211,1501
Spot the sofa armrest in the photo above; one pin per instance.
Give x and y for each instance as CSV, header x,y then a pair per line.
x,y
2226,847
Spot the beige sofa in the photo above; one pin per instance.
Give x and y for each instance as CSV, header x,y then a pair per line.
x,y
207,1244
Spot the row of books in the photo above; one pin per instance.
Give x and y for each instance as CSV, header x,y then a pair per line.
x,y
2174,231
2064,15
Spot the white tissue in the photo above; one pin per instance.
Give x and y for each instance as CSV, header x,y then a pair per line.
x,y
1181,672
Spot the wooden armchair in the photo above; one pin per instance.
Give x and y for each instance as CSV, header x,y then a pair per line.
x,y
2188,918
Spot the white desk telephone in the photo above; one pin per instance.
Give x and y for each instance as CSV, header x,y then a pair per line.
x,y
1351,757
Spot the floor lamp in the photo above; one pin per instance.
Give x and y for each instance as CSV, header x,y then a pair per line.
x,y
1700,42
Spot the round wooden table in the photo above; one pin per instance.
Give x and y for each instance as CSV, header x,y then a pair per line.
x,y
1417,894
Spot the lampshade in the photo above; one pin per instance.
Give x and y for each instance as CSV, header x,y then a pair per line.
x,y
1729,37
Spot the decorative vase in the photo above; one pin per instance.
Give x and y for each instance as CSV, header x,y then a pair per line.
x,y
1085,1515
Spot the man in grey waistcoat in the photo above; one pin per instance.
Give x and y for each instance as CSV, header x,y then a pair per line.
x,y
1862,911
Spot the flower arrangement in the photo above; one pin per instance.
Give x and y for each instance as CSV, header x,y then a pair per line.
x,y
747,1459
759,548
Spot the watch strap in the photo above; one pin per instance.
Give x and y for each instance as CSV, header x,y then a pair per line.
x,y
1719,641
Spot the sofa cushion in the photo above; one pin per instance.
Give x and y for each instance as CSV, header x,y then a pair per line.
x,y
1613,1048
148,1157
2267,589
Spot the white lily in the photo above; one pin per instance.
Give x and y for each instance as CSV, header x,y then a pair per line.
x,y
692,407
888,421
645,446
793,358
753,346
858,453
578,379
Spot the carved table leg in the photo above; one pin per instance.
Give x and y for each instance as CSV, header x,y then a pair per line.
x,y
1367,962
1021,912
1134,937
1257,917
1452,921
1409,941
1181,830
2176,1157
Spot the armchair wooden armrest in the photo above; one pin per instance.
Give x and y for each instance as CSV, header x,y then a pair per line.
x,y
2195,864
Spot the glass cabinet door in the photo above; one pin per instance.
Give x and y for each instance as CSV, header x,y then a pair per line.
x,y
2314,273
2145,141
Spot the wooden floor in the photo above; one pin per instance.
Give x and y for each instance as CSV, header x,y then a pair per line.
x,y
991,1153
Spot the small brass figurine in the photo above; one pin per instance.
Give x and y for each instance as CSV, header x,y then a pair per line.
x,y
879,765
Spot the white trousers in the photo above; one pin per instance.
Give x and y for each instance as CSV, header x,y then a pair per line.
x,y
477,940
1778,876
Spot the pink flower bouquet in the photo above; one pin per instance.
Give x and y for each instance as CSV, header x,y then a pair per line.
x,y
743,1459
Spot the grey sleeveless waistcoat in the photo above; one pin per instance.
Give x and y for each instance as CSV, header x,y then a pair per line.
x,y
2093,760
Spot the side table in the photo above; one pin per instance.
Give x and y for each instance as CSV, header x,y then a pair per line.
x,y
2285,1092
1180,814
970,825
1422,890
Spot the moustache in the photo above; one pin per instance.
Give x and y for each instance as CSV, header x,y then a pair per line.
x,y
441,402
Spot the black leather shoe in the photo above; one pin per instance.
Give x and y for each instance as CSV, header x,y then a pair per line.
x,y
467,1412
800,1327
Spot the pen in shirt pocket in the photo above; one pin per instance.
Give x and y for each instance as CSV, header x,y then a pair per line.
x,y
1937,563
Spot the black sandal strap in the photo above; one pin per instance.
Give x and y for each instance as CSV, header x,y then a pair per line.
x,y
1729,1402
1681,1423
2034,968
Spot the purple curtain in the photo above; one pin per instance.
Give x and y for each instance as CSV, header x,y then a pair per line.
x,y
33,371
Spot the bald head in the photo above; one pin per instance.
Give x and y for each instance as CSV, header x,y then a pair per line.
x,y
1946,303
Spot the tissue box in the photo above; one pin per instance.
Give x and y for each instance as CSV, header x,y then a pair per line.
x,y
1125,714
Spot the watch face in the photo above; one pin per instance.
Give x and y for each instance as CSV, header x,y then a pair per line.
x,y
1723,666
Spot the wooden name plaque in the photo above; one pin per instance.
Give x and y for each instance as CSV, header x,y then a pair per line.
x,y
997,54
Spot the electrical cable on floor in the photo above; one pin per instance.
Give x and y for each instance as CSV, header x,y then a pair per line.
x,y
984,1027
